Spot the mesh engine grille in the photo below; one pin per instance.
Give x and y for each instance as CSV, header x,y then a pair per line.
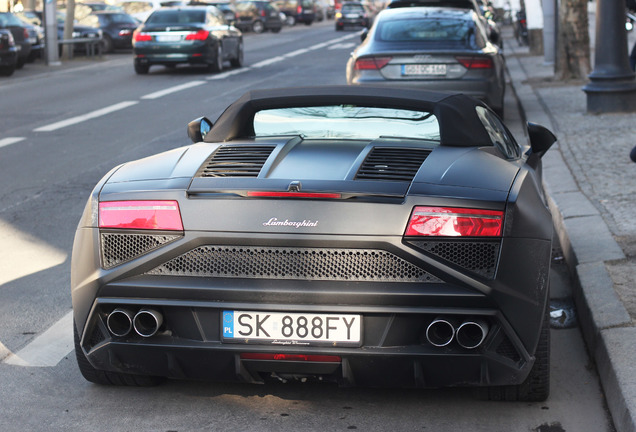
x,y
120,248
236,161
397,164
294,263
478,257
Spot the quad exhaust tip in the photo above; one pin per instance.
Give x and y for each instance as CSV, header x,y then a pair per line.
x,y
440,332
147,322
120,322
472,333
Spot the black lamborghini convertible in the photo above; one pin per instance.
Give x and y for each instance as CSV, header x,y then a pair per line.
x,y
368,236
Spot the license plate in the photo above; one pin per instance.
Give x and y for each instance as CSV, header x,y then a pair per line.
x,y
280,328
352,16
168,38
424,69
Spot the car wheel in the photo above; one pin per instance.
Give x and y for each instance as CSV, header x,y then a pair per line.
x,y
107,44
217,66
20,63
237,61
141,69
7,70
258,26
308,22
106,377
536,387
338,28
291,20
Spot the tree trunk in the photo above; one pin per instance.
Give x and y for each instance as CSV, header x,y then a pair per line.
x,y
573,55
69,23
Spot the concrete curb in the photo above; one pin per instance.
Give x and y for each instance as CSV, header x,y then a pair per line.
x,y
587,244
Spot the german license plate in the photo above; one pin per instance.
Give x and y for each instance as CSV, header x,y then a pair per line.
x,y
281,328
168,38
424,69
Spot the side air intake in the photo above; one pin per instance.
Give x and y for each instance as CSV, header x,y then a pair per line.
x,y
236,161
392,164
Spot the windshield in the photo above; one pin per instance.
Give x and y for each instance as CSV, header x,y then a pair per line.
x,y
437,29
346,122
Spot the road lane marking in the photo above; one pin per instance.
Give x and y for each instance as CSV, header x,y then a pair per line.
x,y
87,116
268,62
49,348
229,73
11,140
342,45
174,89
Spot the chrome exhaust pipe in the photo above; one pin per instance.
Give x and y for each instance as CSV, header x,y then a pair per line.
x,y
440,332
472,333
147,322
120,322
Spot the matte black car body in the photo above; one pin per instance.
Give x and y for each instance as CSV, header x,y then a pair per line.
x,y
117,28
453,56
296,225
8,53
195,35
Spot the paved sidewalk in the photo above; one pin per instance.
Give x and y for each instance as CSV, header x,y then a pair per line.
x,y
591,184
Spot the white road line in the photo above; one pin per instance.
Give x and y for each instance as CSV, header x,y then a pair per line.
x,y
49,348
268,62
174,89
228,74
11,140
84,117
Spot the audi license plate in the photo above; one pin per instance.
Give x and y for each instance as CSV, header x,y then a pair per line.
x,y
280,328
424,69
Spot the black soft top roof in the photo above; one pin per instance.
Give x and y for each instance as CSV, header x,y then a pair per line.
x,y
456,115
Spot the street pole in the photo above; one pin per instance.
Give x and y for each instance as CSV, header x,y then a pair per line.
x,y
50,33
612,86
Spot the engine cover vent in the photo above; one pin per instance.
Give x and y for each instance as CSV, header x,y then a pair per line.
x,y
393,164
236,161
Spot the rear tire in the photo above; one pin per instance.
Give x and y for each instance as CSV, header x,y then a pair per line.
x,y
106,377
217,66
107,44
7,70
258,26
237,61
141,69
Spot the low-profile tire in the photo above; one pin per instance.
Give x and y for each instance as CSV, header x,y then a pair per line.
x,y
217,65
258,26
107,44
106,377
141,69
237,61
291,20
536,387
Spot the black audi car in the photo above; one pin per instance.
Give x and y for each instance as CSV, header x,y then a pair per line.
x,y
369,236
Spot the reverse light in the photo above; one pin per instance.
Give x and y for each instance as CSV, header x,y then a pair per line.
x,y
152,215
476,62
455,222
199,35
371,63
291,357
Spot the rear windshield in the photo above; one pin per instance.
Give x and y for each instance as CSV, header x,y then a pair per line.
x,y
347,122
176,16
429,29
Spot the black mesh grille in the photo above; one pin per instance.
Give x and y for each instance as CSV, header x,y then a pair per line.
x,y
294,263
236,161
508,350
119,248
390,163
478,257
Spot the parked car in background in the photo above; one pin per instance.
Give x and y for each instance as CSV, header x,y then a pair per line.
x,y
36,39
21,36
117,28
298,11
430,48
141,9
227,7
195,35
258,16
8,53
354,14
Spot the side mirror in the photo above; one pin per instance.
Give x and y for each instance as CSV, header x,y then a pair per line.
x,y
364,34
541,139
198,129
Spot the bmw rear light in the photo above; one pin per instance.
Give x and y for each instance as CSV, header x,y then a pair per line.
x,y
125,32
371,63
142,37
455,222
199,35
151,215
476,62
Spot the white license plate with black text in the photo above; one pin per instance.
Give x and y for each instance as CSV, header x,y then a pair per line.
x,y
282,328
424,69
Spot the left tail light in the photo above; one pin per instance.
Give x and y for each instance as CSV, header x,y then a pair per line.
x,y
141,37
145,215
371,63
455,222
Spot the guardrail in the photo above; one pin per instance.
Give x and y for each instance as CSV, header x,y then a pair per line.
x,y
93,45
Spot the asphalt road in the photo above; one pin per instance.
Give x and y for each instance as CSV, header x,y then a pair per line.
x,y
61,131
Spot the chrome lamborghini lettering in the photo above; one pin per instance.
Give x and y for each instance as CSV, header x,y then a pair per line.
x,y
287,223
